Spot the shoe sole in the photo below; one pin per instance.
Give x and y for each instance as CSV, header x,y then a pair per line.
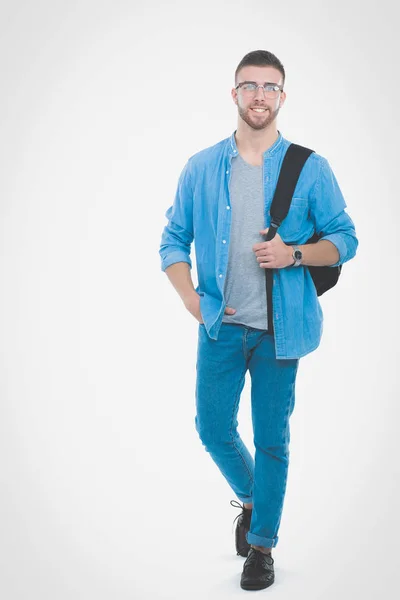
x,y
256,586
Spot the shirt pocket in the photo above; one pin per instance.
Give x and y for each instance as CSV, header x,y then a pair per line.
x,y
295,220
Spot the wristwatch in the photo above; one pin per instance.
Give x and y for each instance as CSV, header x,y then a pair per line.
x,y
297,256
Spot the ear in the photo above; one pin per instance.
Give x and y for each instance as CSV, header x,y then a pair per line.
x,y
234,95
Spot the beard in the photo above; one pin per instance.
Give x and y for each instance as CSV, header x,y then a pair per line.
x,y
257,121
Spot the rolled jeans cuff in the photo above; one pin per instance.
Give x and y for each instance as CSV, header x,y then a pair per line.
x,y
257,540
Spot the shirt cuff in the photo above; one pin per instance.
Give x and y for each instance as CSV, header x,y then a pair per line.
x,y
174,257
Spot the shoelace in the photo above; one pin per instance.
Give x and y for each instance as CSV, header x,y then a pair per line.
x,y
236,504
256,556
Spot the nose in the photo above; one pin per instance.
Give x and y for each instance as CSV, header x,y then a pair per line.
x,y
260,93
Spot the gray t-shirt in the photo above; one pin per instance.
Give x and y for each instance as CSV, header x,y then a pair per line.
x,y
245,280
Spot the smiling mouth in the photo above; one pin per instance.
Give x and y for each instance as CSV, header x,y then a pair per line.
x,y
259,110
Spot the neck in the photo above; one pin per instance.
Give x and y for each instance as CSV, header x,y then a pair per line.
x,y
252,141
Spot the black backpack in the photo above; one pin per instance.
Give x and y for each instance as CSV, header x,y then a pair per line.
x,y
324,277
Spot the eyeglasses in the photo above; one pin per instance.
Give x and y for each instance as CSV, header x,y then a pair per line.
x,y
271,90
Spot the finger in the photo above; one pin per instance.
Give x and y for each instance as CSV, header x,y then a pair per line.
x,y
264,251
266,258
262,246
257,247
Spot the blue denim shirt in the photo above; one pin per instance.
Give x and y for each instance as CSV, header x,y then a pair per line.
x,y
201,212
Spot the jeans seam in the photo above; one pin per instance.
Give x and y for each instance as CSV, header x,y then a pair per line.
x,y
230,429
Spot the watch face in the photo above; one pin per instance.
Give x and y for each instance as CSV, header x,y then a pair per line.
x,y
298,254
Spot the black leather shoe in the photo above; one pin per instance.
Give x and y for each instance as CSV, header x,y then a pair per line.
x,y
258,571
242,527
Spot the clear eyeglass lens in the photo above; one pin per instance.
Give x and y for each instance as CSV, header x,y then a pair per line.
x,y
270,91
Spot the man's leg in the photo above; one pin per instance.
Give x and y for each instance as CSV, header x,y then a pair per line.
x,y
221,368
272,401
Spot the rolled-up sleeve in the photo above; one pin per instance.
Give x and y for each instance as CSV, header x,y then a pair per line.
x,y
177,235
328,211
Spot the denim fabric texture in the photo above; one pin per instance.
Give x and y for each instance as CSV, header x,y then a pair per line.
x,y
221,368
201,212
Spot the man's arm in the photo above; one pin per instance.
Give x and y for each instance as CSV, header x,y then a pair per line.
x,y
177,235
176,243
327,208
179,276
322,253
327,205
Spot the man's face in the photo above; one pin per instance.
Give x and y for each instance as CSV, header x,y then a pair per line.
x,y
247,102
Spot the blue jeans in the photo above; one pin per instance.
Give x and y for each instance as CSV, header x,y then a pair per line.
x,y
221,368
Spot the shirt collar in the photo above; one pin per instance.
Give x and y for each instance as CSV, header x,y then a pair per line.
x,y
233,150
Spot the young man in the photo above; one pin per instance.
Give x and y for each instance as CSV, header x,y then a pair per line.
x,y
222,202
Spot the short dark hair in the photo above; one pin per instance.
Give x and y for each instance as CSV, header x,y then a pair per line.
x,y
261,58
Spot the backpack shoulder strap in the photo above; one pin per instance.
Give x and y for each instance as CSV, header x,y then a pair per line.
x,y
293,162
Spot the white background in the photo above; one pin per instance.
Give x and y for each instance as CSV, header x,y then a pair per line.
x,y
106,490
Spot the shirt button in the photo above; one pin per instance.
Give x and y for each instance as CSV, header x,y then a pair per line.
x,y
224,241
276,315
228,208
227,172
220,275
